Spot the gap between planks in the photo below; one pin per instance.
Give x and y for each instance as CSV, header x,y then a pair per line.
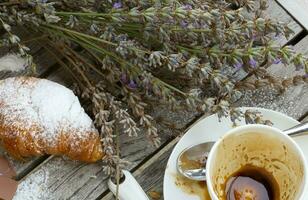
x,y
297,93
297,9
274,12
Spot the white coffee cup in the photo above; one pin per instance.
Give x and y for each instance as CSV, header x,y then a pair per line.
x,y
263,147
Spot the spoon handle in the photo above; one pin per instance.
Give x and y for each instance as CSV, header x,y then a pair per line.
x,y
129,189
298,130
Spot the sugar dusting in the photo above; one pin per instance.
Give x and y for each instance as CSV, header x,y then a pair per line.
x,y
12,62
45,182
31,102
34,187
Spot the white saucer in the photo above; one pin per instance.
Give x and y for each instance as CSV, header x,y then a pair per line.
x,y
210,129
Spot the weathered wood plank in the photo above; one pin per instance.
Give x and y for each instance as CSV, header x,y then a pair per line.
x,y
73,180
305,119
42,58
150,175
298,9
275,12
293,101
61,76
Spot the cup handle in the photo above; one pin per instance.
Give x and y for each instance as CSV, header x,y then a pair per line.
x,y
129,189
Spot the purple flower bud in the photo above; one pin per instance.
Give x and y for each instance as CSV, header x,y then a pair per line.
x,y
306,75
254,36
117,5
184,24
187,7
132,84
253,63
277,61
238,65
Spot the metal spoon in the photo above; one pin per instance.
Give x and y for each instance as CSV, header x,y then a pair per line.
x,y
191,161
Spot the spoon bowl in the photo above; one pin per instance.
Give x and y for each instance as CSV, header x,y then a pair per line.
x,y
191,161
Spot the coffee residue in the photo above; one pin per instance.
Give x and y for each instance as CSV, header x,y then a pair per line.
x,y
197,188
251,182
187,163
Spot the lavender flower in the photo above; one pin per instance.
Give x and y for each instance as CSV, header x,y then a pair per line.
x,y
187,7
128,45
277,61
132,84
129,83
254,36
238,65
117,5
184,24
253,62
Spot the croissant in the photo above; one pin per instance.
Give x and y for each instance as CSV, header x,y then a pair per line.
x,y
38,117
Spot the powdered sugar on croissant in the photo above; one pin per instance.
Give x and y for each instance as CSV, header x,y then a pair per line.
x,y
38,116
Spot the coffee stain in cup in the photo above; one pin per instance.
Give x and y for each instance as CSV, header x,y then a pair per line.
x,y
197,188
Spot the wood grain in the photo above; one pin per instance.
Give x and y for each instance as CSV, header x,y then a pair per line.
x,y
293,103
150,174
73,180
298,9
275,12
305,119
42,58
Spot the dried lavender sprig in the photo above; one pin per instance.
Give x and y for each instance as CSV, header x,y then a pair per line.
x,y
15,40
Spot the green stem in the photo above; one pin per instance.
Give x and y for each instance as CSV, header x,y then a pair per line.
x,y
80,34
124,62
63,65
85,78
10,3
82,60
87,14
89,37
83,42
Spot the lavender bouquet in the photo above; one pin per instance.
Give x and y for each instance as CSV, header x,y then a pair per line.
x,y
126,54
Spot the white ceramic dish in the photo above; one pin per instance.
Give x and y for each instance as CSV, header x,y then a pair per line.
x,y
210,129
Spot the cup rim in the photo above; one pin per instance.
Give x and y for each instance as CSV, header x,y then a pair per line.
x,y
247,127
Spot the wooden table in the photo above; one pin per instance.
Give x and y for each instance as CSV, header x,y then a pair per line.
x,y
50,177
